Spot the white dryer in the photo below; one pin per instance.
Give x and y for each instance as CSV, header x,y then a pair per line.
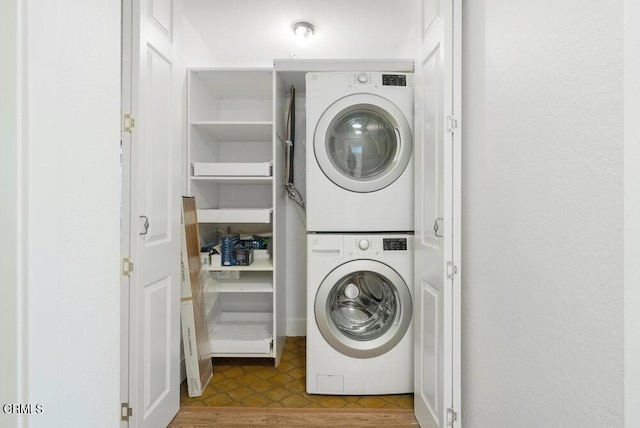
x,y
359,314
360,158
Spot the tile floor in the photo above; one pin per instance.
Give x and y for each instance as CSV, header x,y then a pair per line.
x,y
244,382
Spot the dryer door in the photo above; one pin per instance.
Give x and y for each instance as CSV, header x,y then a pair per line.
x,y
363,143
363,308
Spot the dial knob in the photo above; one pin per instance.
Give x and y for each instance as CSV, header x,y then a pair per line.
x,y
363,244
363,77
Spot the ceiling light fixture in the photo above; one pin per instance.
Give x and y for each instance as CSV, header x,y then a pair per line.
x,y
303,30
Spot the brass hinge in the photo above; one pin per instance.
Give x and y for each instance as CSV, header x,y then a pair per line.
x,y
125,412
128,123
127,267
452,416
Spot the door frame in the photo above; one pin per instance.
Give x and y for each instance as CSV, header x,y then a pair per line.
x,y
125,204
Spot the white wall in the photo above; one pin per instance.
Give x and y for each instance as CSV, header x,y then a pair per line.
x,y
67,128
542,214
251,33
11,314
296,233
632,211
193,50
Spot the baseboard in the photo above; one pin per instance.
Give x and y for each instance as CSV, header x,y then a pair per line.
x,y
297,327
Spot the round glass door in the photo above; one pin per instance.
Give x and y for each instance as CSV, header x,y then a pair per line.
x,y
363,305
363,143
363,308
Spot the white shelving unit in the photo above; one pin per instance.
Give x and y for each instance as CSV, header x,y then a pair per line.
x,y
234,171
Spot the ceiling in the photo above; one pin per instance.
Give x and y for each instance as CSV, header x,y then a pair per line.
x,y
244,32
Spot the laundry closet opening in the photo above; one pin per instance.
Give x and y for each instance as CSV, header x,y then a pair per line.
x,y
319,246
270,369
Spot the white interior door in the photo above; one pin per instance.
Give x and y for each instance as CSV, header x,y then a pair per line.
x,y
437,217
151,163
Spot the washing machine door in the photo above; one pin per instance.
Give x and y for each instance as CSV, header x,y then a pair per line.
x,y
363,143
363,308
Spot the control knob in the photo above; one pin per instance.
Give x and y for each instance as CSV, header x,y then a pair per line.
x,y
363,244
363,77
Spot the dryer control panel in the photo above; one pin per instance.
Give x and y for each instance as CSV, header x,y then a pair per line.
x,y
394,80
361,245
394,244
337,84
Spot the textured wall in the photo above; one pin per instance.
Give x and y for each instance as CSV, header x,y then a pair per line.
x,y
542,214
632,211
72,124
10,210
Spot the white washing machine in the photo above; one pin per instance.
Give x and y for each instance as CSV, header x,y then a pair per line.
x,y
359,314
360,154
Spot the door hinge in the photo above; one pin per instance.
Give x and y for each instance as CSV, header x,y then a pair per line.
x,y
125,412
452,124
452,416
452,269
128,123
127,267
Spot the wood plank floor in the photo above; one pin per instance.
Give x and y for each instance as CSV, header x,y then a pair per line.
x,y
230,417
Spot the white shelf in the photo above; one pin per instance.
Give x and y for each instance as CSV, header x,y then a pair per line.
x,y
234,180
258,264
238,130
231,169
249,282
239,215
241,333
232,172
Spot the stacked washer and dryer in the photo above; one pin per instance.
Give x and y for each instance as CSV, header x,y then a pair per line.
x,y
360,232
